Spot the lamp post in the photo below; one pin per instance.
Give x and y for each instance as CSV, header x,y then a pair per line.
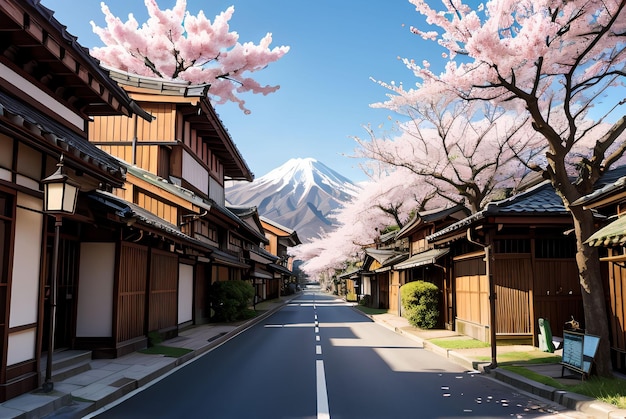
x,y
60,194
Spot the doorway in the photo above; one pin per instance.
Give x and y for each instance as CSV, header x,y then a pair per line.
x,y
67,290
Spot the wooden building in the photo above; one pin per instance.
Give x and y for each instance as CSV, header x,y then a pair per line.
x,y
49,89
177,166
377,275
521,247
423,261
281,238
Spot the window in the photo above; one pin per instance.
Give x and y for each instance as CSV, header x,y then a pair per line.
x,y
555,248
518,245
234,243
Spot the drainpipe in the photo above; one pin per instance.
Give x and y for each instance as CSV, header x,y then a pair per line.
x,y
134,146
492,299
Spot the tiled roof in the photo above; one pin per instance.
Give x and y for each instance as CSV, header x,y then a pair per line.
x,y
538,200
614,234
611,182
128,210
424,258
57,135
429,217
96,71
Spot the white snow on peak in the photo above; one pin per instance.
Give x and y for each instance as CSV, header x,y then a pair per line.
x,y
302,195
305,173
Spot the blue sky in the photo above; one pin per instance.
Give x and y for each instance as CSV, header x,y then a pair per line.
x,y
336,46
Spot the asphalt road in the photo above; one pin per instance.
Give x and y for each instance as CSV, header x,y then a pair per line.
x,y
318,358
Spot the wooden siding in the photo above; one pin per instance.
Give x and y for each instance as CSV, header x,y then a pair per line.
x,y
163,310
157,207
472,291
513,276
617,295
394,292
146,157
557,294
131,300
122,128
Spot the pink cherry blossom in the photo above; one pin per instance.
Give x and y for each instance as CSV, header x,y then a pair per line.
x,y
173,44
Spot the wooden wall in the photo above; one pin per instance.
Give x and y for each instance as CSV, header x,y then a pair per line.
x,y
557,294
114,134
472,291
617,296
131,300
513,281
122,128
163,298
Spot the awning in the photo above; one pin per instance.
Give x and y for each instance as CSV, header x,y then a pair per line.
x,y
279,268
351,274
425,258
222,258
390,262
261,275
613,234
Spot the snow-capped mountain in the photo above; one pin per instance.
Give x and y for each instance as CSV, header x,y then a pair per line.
x,y
300,195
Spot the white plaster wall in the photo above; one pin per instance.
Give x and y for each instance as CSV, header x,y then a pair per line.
x,y
95,290
26,261
185,293
194,173
367,286
21,346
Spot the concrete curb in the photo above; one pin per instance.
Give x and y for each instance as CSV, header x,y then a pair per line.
x,y
573,401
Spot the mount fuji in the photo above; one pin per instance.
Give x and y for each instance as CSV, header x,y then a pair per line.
x,y
300,195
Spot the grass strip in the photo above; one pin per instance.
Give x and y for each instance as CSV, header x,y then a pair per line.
x,y
608,390
455,343
372,311
170,351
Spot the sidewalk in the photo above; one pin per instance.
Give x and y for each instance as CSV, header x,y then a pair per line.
x,y
108,380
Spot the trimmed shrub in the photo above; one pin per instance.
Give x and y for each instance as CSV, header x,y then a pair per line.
x,y
366,300
420,303
231,300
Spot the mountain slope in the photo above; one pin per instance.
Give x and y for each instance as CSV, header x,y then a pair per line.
x,y
300,195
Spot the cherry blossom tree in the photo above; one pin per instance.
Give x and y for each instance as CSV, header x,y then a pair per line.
x,y
554,61
388,199
174,44
467,153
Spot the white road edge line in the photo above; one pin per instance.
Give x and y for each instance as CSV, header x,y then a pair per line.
x,y
322,396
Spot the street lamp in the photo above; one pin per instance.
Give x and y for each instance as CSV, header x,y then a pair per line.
x,y
60,194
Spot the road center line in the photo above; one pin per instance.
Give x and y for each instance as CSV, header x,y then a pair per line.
x,y
322,396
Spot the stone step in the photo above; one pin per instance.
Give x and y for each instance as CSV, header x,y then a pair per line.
x,y
66,364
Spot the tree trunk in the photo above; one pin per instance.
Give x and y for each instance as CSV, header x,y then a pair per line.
x,y
592,288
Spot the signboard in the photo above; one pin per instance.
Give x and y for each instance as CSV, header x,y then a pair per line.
x,y
573,350
579,350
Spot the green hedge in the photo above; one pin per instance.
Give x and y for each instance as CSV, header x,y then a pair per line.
x,y
231,300
420,303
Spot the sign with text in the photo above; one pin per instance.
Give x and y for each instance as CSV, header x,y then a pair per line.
x,y
579,350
